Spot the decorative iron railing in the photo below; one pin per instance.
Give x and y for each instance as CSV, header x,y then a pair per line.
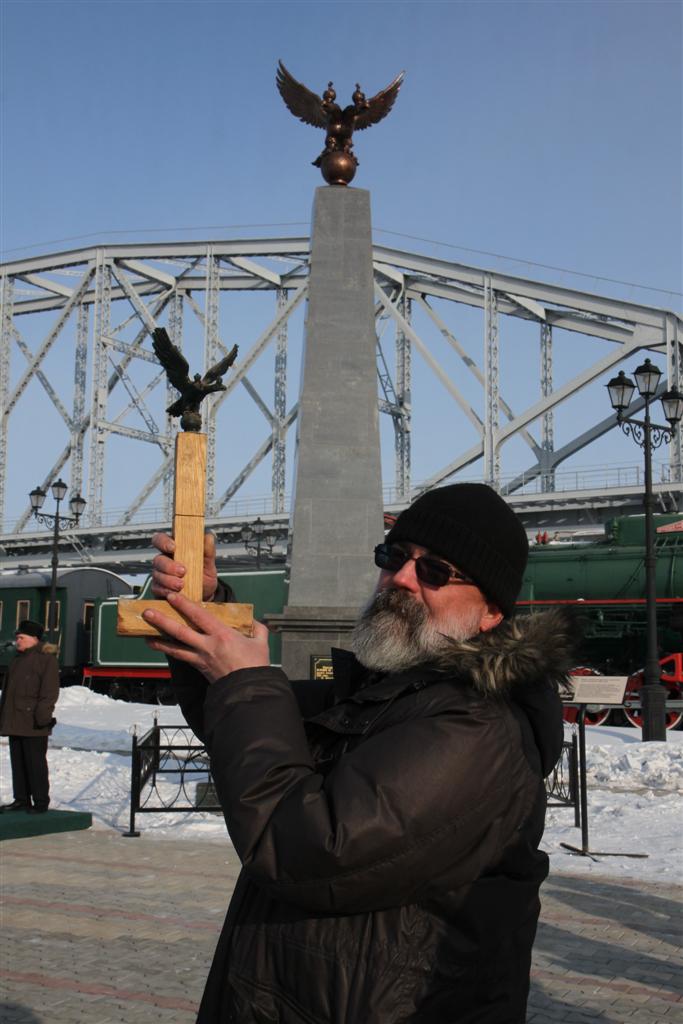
x,y
170,772
562,785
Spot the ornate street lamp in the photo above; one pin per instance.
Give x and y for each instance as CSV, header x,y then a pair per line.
x,y
648,436
254,537
57,522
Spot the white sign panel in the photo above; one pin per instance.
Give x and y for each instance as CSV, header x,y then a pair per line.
x,y
598,689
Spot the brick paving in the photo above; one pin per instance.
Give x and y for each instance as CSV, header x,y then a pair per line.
x,y
608,950
98,929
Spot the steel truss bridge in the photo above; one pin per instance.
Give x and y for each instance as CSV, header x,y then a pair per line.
x,y
82,396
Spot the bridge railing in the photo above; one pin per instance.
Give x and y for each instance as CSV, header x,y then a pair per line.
x,y
596,479
587,478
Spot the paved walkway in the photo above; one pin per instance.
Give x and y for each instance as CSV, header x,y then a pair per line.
x,y
100,929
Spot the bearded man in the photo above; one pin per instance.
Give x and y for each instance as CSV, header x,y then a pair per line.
x,y
390,838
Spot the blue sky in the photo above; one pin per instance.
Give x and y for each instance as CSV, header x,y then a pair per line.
x,y
546,132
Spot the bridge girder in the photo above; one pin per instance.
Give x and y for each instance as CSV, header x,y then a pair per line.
x,y
191,287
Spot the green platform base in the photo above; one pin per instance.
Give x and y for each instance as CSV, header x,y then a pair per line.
x,y
20,825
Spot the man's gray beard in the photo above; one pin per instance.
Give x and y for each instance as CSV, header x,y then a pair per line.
x,y
395,632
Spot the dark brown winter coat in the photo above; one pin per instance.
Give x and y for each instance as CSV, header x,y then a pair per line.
x,y
389,841
30,693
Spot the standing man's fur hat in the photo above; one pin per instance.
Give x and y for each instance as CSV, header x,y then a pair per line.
x,y
30,628
471,526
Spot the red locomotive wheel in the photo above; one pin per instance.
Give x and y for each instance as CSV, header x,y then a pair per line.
x,y
634,716
599,717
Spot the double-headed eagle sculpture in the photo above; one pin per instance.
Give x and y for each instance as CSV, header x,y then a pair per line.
x,y
337,161
192,392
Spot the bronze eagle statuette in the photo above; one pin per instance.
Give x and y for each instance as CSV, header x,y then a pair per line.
x,y
192,392
337,161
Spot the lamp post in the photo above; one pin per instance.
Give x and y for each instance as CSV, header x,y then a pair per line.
x,y
255,536
57,522
648,436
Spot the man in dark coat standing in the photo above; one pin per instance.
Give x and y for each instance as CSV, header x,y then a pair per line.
x,y
389,823
27,709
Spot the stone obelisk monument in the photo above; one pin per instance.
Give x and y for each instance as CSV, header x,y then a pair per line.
x,y
337,516
337,507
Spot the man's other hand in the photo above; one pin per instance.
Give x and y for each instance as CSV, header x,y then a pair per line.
x,y
167,574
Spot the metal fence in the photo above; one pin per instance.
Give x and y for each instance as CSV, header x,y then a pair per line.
x,y
562,785
170,772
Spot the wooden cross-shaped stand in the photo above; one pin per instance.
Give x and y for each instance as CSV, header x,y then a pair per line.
x,y
188,533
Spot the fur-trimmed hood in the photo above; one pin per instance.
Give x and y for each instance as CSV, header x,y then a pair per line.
x,y
526,661
42,647
523,662
521,651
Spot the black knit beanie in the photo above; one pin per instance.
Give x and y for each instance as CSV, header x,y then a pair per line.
x,y
30,628
472,527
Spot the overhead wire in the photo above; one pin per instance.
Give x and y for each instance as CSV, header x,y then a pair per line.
x,y
531,263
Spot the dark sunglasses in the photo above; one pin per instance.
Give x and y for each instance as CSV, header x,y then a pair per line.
x,y
427,569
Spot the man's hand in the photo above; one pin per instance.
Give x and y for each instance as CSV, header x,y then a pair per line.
x,y
167,574
206,644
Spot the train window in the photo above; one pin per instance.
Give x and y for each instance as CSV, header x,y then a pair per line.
x,y
58,605
88,612
23,611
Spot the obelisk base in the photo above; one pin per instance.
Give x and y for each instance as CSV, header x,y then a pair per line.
x,y
309,633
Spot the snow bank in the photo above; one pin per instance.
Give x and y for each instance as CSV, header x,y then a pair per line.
x,y
90,721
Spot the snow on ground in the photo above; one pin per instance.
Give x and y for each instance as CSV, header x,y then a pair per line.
x,y
635,806
635,789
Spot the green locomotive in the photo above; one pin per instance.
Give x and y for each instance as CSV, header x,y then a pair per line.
x,y
604,583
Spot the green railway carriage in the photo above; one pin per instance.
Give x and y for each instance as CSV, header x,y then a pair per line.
x,y
26,595
125,667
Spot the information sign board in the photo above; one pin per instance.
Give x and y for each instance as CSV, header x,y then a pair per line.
x,y
602,690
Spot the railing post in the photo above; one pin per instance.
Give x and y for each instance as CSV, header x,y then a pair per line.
x,y
574,780
156,743
134,787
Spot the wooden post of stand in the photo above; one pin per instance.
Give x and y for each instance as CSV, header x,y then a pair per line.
x,y
188,533
189,504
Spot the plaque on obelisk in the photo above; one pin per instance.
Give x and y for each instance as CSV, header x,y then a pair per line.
x,y
189,494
